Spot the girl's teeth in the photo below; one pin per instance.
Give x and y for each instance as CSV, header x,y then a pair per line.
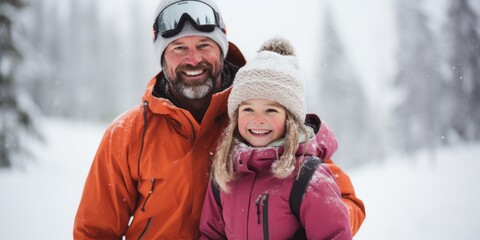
x,y
260,131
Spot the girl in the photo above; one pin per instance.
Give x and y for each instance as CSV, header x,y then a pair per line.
x,y
262,152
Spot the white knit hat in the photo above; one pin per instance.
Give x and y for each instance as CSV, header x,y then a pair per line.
x,y
272,74
188,30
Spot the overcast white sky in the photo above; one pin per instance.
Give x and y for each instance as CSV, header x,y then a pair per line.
x,y
365,27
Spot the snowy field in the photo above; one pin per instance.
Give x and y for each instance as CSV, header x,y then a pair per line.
x,y
405,197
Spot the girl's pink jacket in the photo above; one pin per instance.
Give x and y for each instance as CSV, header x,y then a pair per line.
x,y
257,206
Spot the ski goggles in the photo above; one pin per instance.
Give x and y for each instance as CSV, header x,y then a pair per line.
x,y
170,20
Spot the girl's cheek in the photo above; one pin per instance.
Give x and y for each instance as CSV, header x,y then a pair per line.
x,y
279,124
242,122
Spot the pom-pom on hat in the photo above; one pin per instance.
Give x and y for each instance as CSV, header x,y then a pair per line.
x,y
272,74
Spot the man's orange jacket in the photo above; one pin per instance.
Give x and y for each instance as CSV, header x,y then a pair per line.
x,y
150,173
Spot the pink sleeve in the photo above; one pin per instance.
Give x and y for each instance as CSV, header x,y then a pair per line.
x,y
322,212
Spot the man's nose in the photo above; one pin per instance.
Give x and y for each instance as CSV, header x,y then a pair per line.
x,y
193,57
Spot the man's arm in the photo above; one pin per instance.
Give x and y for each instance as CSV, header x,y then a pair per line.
x,y
355,206
108,200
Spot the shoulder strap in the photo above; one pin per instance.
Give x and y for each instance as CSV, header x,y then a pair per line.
x,y
298,189
216,194
300,184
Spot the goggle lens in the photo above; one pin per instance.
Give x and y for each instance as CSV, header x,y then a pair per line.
x,y
171,19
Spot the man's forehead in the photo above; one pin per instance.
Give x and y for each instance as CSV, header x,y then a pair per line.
x,y
188,39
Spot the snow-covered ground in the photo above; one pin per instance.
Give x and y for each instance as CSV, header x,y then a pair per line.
x,y
405,197
420,198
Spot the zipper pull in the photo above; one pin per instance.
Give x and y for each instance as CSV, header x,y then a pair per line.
x,y
153,184
149,194
258,207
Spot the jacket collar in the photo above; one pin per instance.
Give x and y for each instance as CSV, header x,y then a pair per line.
x,y
321,144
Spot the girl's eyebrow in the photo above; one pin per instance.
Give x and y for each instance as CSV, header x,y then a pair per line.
x,y
245,103
273,104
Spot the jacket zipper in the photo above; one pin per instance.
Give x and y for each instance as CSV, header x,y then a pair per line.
x,y
266,236
144,130
192,142
145,229
148,196
262,203
257,202
191,126
143,209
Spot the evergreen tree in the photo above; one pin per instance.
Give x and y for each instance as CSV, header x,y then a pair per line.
x,y
91,66
15,119
419,114
46,29
342,102
464,61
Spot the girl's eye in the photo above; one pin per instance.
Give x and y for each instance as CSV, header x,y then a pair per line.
x,y
271,110
247,109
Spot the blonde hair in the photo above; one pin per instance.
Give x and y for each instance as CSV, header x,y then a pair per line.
x,y
223,170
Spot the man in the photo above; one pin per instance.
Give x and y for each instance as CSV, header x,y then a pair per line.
x,y
150,173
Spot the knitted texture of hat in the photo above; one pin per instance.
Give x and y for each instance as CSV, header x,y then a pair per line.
x,y
188,30
272,74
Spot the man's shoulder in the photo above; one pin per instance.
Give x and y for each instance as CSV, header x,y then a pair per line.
x,y
127,120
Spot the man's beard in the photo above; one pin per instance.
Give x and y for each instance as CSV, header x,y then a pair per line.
x,y
194,89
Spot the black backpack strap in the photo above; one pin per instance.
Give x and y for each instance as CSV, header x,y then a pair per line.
x,y
216,194
299,187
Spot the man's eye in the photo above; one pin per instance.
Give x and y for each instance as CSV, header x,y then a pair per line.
x,y
179,48
204,46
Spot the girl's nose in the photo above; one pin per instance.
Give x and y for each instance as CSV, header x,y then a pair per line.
x,y
259,119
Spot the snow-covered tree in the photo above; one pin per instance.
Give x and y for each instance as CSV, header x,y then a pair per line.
x,y
16,121
463,41
90,64
341,101
419,116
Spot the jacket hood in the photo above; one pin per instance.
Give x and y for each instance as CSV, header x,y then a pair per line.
x,y
322,145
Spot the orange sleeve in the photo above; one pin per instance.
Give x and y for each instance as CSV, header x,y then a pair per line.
x,y
355,206
109,194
